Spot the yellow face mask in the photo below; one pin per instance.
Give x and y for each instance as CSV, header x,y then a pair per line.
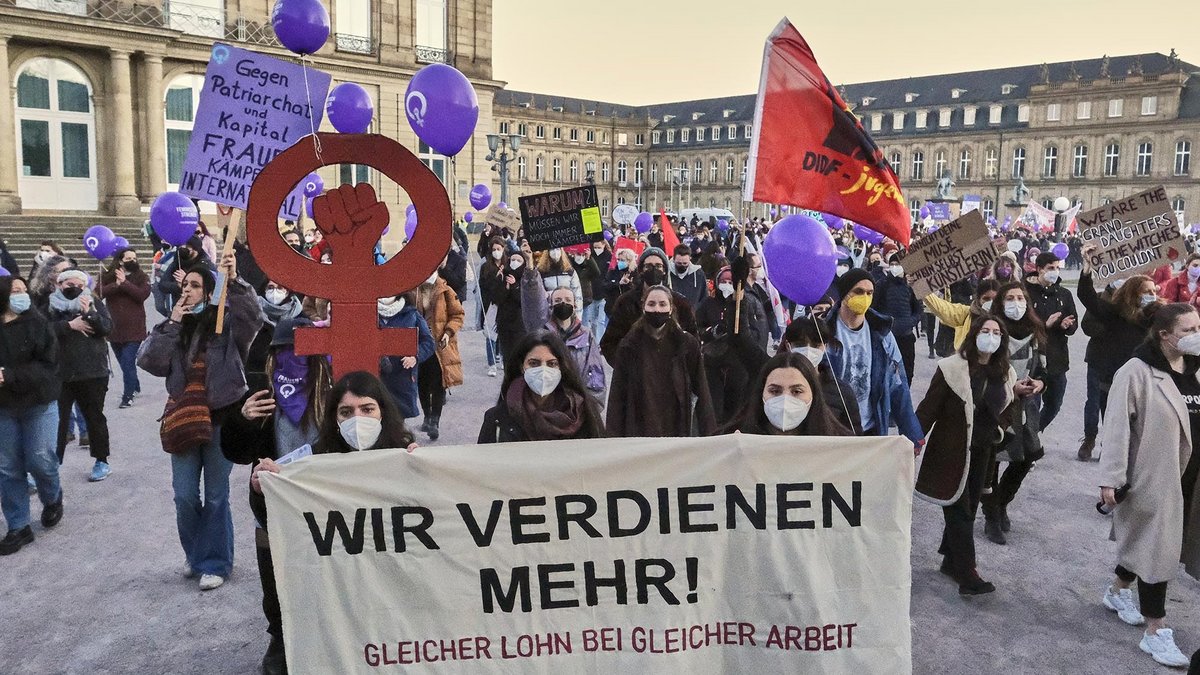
x,y
859,304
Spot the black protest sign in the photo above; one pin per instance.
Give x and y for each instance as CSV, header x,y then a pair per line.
x,y
955,251
1132,236
562,218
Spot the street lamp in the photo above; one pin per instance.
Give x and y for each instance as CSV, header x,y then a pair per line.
x,y
1061,204
502,143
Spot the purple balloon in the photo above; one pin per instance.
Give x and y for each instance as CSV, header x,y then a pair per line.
x,y
99,241
174,218
349,108
783,208
643,222
481,196
722,225
1060,249
442,108
868,235
842,253
832,222
410,224
120,242
924,212
468,216
991,220
774,211
799,252
5,273
313,185
301,25
502,205
608,235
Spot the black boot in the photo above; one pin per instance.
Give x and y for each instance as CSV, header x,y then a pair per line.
x,y
274,662
973,585
433,427
991,525
425,424
1086,448
1005,523
15,539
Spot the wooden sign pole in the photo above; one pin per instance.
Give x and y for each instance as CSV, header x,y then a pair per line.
x,y
229,225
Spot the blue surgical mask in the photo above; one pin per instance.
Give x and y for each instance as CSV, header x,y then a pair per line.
x,y
199,307
622,265
19,302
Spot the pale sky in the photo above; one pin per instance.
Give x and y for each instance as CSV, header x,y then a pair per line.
x,y
653,51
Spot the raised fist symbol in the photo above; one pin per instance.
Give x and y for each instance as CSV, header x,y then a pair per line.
x,y
352,218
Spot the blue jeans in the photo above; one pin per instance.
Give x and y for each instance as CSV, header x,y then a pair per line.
x,y
77,422
1052,397
126,353
493,352
1096,404
595,318
27,445
205,526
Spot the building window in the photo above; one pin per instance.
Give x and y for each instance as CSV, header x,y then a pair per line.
x,y
1145,153
991,163
429,157
604,207
964,164
714,169
731,132
684,134
556,170
994,114
729,171
522,168
1112,157
504,127
914,209
574,135
939,164
622,171
1018,163
183,95
590,136
604,138
698,173
639,139
1178,205
200,17
1116,107
605,172
746,132
353,26
639,172
573,170
1083,110
989,209
969,116
699,134
654,174
922,118
1053,112
728,203
894,160
897,121
1079,162
522,129
539,131
558,133
918,165
655,137
876,122
539,168
1047,202
1149,105
670,135
1050,162
1023,113
944,117
716,133
1183,158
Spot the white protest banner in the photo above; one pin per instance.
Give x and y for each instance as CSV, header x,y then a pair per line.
x,y
1134,235
736,553
953,252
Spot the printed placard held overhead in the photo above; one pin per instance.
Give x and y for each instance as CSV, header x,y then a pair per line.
x,y
562,218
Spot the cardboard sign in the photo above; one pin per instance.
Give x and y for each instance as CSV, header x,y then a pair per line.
x,y
252,108
955,251
503,217
739,553
562,218
1135,235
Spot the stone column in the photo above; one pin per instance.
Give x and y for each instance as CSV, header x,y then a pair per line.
x,y
10,199
155,131
119,143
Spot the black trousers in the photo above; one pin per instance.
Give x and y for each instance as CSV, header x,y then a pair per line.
x,y
89,394
727,385
929,325
1152,598
1005,488
958,537
266,576
908,354
429,387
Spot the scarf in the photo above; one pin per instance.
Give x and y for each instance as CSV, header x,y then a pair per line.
x,y
288,381
388,311
276,313
558,416
60,303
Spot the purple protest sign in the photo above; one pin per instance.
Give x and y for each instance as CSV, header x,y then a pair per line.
x,y
252,108
939,211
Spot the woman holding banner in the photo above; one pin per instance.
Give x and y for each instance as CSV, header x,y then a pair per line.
x,y
791,403
542,397
959,317
205,380
805,337
968,404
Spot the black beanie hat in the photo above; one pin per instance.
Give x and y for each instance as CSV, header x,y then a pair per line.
x,y
850,279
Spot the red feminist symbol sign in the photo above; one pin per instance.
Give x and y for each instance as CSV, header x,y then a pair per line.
x,y
352,220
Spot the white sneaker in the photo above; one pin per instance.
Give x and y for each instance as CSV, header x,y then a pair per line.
x,y
492,371
1122,603
1162,647
187,570
210,581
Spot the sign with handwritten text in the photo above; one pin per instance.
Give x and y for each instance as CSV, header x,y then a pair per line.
x,y
955,251
1134,235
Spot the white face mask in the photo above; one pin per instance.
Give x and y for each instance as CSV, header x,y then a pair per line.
x,y
555,255
813,354
579,259
389,309
726,289
1147,298
897,270
1189,344
496,255
785,412
1050,276
42,257
986,305
360,432
543,380
514,265
276,296
842,269
987,343
1014,310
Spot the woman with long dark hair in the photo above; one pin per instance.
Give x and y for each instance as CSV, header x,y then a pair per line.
x,y
542,397
806,337
791,403
964,412
205,380
124,288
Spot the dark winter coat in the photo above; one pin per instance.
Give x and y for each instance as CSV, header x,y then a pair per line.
x,y
29,359
82,357
166,279
455,273
715,320
401,382
127,305
1048,300
653,385
588,272
692,284
1120,336
600,283
895,298
628,309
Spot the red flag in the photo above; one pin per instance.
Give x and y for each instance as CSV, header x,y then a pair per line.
x,y
670,239
810,151
625,242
